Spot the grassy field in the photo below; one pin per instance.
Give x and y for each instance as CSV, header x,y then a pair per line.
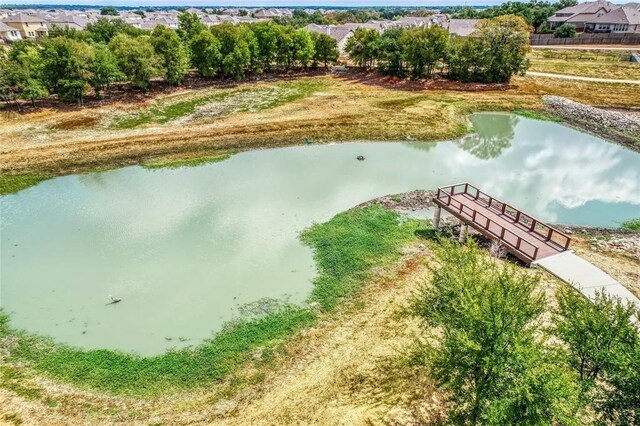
x,y
585,63
346,249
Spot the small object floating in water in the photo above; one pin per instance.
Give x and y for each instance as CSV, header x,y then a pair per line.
x,y
114,300
360,157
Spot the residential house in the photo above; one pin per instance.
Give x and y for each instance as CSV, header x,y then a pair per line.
x,y
9,34
273,13
580,14
340,33
623,19
28,26
68,21
461,27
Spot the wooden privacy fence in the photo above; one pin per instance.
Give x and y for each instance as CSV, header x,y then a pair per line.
x,y
586,38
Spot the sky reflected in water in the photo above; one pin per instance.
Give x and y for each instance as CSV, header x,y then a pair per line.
x,y
184,248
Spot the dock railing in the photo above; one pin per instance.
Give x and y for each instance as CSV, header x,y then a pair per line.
x,y
527,222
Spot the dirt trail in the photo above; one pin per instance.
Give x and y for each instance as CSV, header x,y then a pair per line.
x,y
581,78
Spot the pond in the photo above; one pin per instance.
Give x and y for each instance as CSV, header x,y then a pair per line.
x,y
186,248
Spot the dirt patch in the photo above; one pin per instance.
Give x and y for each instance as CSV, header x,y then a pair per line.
x,y
76,123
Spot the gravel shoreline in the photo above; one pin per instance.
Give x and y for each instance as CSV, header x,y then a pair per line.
x,y
618,126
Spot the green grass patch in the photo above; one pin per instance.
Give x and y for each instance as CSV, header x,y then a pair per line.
x,y
346,248
350,244
187,162
12,184
221,103
537,115
631,225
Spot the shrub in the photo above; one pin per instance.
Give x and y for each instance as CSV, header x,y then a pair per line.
x,y
565,31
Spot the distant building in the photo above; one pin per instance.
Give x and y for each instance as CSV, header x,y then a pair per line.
x,y
461,27
580,14
28,26
340,33
273,13
68,21
9,34
625,19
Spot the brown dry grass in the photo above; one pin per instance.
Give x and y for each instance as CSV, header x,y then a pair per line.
x,y
585,63
55,142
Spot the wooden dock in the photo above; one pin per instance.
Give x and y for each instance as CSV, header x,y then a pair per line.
x,y
519,233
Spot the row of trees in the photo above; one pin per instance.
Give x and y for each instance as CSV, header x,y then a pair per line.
x,y
494,53
499,364
69,62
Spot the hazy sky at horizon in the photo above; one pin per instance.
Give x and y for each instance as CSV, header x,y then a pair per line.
x,y
261,3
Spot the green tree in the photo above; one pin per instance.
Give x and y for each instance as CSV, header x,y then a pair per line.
x,y
486,352
496,52
506,39
103,30
325,49
604,348
66,67
286,47
189,25
171,52
362,47
104,69
33,89
12,80
466,58
390,55
424,48
565,31
109,10
267,34
136,59
205,54
238,47
304,48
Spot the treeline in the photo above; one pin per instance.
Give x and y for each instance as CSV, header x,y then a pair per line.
x,y
301,18
69,63
493,54
501,357
535,12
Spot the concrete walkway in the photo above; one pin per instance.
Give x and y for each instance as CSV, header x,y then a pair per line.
x,y
577,77
584,276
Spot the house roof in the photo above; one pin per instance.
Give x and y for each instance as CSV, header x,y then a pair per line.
x,y
4,28
586,7
620,15
336,32
461,27
21,17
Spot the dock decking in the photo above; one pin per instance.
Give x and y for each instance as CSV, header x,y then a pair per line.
x,y
521,234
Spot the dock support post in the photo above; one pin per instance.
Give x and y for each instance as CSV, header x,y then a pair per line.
x,y
436,217
464,228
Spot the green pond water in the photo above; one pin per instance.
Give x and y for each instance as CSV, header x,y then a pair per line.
x,y
186,248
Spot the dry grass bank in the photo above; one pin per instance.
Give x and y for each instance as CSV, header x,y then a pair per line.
x,y
347,107
585,63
